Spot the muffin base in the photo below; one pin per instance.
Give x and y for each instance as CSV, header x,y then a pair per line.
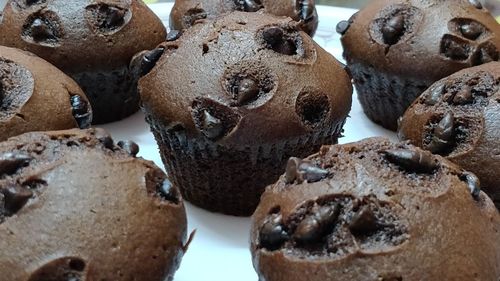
x,y
112,94
230,180
385,97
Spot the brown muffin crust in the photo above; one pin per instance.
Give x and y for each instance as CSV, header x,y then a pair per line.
x,y
36,96
185,13
374,210
458,117
91,41
249,90
396,49
75,206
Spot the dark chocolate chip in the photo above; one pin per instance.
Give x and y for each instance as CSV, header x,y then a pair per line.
x,y
455,49
248,90
248,5
313,227
476,3
312,173
486,53
464,96
472,183
106,18
41,31
15,198
393,29
412,160
471,30
173,35
342,27
275,39
81,111
150,59
10,162
306,9
364,222
130,147
273,234
107,142
168,191
443,134
434,95
115,17
212,126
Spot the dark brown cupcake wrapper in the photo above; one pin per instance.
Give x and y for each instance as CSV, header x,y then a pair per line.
x,y
230,180
385,97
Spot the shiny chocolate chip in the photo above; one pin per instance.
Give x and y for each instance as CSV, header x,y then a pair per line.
x,y
10,162
342,27
276,40
443,134
306,9
472,183
363,222
130,147
173,35
412,160
81,111
168,191
476,3
150,59
273,233
212,126
300,171
471,30
247,91
41,31
248,5
107,142
393,29
435,94
455,48
15,197
315,226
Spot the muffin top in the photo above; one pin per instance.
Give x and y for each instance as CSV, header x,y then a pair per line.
x,y
429,39
186,12
36,96
375,210
81,35
75,205
459,117
246,78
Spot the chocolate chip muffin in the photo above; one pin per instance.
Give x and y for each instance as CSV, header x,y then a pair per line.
x,y
186,12
396,49
91,41
375,210
459,118
36,96
249,91
75,206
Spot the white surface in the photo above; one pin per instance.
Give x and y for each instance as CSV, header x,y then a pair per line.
x,y
220,251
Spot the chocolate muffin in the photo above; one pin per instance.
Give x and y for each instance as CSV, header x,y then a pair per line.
x,y
459,118
91,41
186,12
36,96
249,90
75,206
375,210
396,49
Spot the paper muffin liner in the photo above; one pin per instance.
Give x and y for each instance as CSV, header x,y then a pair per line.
x,y
230,180
385,97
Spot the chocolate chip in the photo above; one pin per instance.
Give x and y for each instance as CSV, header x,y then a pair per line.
x,y
130,147
363,222
43,27
306,9
10,162
106,18
443,134
313,227
464,96
150,59
107,142
273,234
292,168
434,95
312,173
248,90
212,126
471,30
168,191
455,48
476,3
342,27
114,17
393,29
412,160
40,31
472,183
15,198
173,35
487,52
275,39
248,5
81,111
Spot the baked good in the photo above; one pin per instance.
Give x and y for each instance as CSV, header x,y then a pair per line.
x,y
459,118
36,96
91,41
186,12
375,210
395,49
231,100
76,206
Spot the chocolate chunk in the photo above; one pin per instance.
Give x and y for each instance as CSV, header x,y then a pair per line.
x,y
248,5
412,160
15,198
168,191
364,222
130,147
106,18
306,9
114,17
248,90
212,126
275,39
315,226
81,111
10,162
455,48
393,29
342,27
471,30
107,142
150,59
476,3
487,52
41,31
443,134
273,233
434,95
312,173
472,183
173,35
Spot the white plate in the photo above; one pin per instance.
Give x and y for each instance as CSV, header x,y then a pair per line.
x,y
220,251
